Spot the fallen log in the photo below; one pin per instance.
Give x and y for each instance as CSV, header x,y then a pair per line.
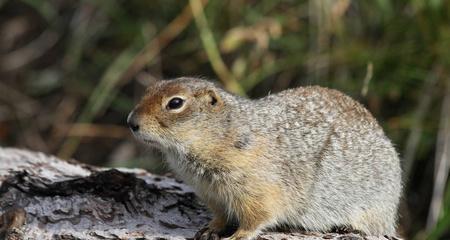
x,y
42,197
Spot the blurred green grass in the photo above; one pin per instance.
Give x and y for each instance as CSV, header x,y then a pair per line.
x,y
72,70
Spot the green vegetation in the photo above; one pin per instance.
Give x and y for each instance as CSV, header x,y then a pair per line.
x,y
71,71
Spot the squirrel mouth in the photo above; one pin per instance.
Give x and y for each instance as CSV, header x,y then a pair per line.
x,y
151,142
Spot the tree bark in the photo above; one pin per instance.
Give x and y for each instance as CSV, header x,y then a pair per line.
x,y
42,197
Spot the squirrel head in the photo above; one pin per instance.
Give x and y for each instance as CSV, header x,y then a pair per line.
x,y
177,113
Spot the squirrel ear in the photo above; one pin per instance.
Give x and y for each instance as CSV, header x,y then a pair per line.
x,y
212,98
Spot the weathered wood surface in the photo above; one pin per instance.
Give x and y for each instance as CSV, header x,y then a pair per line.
x,y
42,197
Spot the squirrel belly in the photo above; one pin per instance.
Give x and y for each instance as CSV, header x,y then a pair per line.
x,y
310,158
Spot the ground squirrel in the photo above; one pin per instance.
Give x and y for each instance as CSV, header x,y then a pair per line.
x,y
309,158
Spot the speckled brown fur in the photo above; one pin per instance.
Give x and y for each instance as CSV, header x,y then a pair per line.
x,y
309,158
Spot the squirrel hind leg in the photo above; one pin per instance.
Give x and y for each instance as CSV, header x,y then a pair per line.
x,y
375,223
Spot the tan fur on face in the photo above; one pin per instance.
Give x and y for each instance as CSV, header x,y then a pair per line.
x,y
154,105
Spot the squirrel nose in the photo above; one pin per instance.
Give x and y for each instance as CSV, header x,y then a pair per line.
x,y
132,122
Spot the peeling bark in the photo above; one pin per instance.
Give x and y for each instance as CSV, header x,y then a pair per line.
x,y
42,197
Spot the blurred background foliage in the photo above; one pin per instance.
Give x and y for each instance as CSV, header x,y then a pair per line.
x,y
70,71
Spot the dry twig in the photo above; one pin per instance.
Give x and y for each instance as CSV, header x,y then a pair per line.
x,y
442,162
419,115
114,80
212,50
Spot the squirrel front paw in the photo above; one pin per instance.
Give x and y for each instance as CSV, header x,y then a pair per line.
x,y
207,233
243,235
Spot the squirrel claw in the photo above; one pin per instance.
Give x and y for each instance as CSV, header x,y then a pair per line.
x,y
206,234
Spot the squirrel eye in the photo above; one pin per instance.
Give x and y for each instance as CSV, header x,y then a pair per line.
x,y
175,103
